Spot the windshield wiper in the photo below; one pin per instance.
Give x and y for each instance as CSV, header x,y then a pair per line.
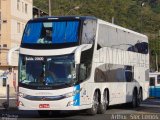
x,y
69,84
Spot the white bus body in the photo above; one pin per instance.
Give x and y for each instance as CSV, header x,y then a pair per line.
x,y
118,71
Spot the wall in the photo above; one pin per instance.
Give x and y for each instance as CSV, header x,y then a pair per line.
x,y
11,36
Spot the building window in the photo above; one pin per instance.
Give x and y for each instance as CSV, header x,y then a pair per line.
x,y
22,27
22,6
26,8
4,82
18,27
18,4
4,45
0,19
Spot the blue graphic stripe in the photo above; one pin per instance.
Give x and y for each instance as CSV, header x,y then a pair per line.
x,y
154,91
76,97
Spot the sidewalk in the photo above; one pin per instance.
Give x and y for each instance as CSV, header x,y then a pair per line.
x,y
12,102
12,98
152,102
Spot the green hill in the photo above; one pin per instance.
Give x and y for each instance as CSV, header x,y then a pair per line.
x,y
127,13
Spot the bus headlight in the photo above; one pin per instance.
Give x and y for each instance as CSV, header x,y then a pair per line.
x,y
22,95
67,95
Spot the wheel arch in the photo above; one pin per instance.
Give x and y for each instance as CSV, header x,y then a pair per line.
x,y
99,94
136,90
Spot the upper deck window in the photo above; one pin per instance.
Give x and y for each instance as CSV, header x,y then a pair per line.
x,y
51,32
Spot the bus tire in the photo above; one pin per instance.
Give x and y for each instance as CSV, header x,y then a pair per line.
x,y
104,103
44,113
134,99
140,97
56,112
93,110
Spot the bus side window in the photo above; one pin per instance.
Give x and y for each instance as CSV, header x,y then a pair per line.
x,y
142,47
89,31
152,81
158,79
83,72
85,65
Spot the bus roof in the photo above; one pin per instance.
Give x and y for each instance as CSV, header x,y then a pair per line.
x,y
64,18
85,18
122,28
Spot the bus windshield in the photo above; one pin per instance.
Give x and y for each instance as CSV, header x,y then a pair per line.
x,y
47,71
54,32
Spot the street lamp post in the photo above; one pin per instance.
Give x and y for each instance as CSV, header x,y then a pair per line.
x,y
49,2
113,20
142,5
75,8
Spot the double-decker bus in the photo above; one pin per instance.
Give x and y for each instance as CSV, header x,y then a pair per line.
x,y
77,63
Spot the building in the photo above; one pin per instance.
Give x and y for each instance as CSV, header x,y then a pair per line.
x,y
14,15
38,12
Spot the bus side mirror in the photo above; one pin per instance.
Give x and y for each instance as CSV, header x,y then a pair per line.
x,y
77,56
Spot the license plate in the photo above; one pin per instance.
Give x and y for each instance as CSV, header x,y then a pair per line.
x,y
44,106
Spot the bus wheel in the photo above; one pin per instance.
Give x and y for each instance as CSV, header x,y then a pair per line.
x,y
134,99
44,113
140,97
56,112
93,110
104,104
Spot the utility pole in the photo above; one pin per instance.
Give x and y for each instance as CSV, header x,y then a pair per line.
x,y
156,61
113,20
50,14
142,5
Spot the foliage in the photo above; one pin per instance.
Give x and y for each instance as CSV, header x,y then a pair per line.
x,y
127,13
138,15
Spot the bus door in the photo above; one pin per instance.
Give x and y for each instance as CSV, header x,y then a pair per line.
x,y
129,76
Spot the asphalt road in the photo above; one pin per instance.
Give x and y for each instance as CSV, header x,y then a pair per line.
x,y
149,109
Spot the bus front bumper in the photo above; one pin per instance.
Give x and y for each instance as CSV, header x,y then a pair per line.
x,y
64,104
